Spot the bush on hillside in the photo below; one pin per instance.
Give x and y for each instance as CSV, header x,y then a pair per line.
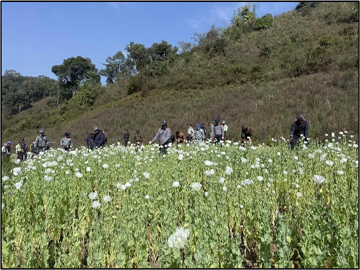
x,y
264,22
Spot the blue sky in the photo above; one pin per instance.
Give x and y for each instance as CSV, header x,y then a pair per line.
x,y
38,35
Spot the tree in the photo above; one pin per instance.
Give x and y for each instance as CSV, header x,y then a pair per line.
x,y
114,65
137,57
161,52
75,72
185,46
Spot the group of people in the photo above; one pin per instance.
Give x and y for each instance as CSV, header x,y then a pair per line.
x,y
21,149
216,132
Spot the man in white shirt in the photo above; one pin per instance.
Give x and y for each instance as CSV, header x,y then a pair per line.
x,y
225,127
190,134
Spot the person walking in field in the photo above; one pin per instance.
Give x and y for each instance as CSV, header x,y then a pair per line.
x,y
218,132
66,142
98,137
298,129
246,133
199,135
41,142
163,135
190,134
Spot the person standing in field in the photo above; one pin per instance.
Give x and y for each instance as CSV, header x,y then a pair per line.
x,y
19,151
204,129
90,142
66,142
163,135
199,135
190,134
225,127
246,133
3,150
41,142
211,130
218,132
126,137
98,137
24,148
298,129
8,149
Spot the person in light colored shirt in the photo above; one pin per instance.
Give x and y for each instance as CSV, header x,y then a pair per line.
x,y
225,127
163,135
190,134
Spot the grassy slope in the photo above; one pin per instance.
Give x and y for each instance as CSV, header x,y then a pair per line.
x,y
328,99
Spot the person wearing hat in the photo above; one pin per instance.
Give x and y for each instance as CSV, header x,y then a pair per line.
x,y
199,135
7,152
211,130
218,132
98,137
66,142
90,142
246,133
299,128
41,142
190,134
163,135
225,127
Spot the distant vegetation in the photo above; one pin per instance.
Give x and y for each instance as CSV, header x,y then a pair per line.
x,y
259,70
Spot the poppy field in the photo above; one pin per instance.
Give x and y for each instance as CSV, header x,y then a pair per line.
x,y
199,206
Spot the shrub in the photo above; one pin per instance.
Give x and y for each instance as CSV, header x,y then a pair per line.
x,y
264,22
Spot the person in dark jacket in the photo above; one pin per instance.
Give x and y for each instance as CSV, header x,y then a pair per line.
x,y
126,137
246,133
25,149
8,149
98,137
299,128
137,138
204,129
90,142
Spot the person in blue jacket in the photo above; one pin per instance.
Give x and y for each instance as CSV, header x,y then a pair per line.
x,y
98,137
298,128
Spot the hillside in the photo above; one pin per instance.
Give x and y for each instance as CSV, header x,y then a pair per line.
x,y
306,62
